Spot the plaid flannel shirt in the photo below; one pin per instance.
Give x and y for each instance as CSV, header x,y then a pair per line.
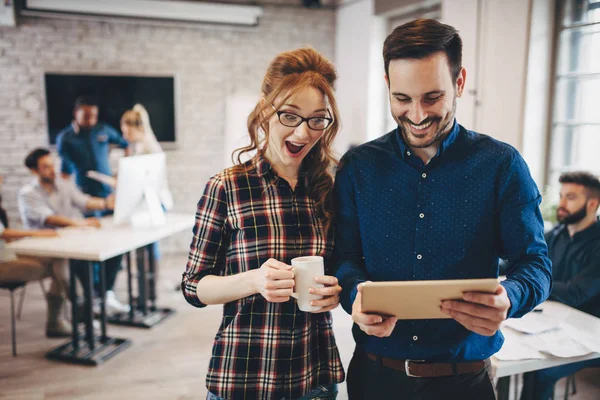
x,y
262,350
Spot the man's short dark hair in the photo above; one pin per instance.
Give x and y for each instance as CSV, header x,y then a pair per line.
x,y
421,38
32,159
85,101
585,179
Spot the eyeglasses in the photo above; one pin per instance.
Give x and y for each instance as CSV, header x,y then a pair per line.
x,y
292,120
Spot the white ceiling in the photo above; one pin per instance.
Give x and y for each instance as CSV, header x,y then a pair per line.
x,y
298,3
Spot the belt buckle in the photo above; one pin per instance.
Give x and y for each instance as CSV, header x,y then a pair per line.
x,y
407,367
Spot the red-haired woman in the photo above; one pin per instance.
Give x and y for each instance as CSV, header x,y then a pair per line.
x,y
251,221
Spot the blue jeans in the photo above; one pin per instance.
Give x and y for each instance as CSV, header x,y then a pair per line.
x,y
328,392
541,383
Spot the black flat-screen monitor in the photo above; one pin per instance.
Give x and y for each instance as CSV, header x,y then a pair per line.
x,y
115,95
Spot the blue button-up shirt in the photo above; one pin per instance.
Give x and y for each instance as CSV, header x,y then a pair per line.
x,y
87,150
398,219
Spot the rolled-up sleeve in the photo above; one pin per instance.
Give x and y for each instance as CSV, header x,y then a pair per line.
x,y
209,242
66,163
521,238
78,198
350,269
115,138
33,210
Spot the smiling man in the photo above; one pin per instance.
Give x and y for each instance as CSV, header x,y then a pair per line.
x,y
432,200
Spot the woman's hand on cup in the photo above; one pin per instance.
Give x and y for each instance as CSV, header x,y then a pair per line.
x,y
274,280
330,292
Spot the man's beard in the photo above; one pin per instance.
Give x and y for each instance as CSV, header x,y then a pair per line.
x,y
48,180
443,128
572,218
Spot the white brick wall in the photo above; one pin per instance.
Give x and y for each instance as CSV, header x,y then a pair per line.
x,y
209,63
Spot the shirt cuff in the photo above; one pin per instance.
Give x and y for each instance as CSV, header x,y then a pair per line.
x,y
66,169
43,217
515,295
189,286
352,296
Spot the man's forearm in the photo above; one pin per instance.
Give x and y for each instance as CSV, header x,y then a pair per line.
x,y
575,294
528,283
60,221
96,203
349,275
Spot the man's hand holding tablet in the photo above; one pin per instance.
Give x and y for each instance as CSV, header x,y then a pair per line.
x,y
371,324
479,312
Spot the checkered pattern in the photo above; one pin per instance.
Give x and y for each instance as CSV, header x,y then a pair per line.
x,y
262,350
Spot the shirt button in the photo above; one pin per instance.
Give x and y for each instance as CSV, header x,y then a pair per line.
x,y
419,256
424,175
421,215
415,338
408,153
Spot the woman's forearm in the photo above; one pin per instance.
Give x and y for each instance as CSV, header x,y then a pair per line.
x,y
214,289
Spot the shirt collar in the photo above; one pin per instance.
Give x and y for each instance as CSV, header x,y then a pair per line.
x,y
591,232
263,166
446,143
264,169
77,129
36,184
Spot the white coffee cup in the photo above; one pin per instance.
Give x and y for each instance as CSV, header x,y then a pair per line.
x,y
305,270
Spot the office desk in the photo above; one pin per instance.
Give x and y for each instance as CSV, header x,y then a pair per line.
x,y
581,321
96,246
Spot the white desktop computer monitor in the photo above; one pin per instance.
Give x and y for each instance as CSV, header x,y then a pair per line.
x,y
142,190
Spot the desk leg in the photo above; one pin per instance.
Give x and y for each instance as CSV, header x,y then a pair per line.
x,y
93,350
142,316
151,277
503,387
528,385
89,310
103,300
129,287
142,300
74,300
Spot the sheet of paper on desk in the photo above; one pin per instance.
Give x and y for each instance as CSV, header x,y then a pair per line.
x,y
588,341
534,322
558,342
514,350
